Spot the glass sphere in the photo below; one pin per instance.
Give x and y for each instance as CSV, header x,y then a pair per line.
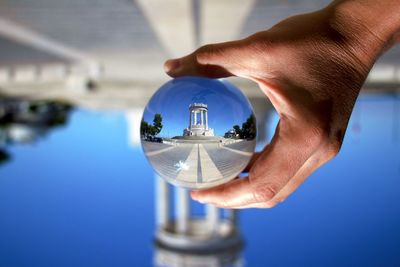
x,y
198,132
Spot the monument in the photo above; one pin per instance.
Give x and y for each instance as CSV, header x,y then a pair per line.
x,y
186,238
198,121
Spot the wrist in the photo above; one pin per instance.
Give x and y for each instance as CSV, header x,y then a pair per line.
x,y
369,26
380,18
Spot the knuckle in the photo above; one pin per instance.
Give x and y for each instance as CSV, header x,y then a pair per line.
x,y
317,136
265,193
223,200
321,138
205,53
223,203
262,48
332,149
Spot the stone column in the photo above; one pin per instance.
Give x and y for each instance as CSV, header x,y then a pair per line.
x,y
201,117
204,119
206,113
212,217
182,210
232,216
195,117
190,119
162,200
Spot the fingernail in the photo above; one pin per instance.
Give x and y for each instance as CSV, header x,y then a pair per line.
x,y
171,64
194,195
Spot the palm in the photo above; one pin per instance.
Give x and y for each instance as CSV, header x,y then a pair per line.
x,y
312,76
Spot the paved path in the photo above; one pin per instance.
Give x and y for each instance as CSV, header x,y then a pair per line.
x,y
199,163
156,152
201,166
245,153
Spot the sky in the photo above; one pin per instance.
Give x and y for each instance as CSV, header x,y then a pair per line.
x,y
82,196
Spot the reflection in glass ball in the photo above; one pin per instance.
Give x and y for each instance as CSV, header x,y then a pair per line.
x,y
197,132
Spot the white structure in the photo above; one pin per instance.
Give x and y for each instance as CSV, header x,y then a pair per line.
x,y
215,231
164,257
198,121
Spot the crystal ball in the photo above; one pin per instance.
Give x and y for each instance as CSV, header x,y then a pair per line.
x,y
197,132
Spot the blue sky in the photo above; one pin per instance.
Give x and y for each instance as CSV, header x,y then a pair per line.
x,y
226,105
82,196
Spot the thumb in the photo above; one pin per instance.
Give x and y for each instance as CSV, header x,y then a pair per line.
x,y
213,61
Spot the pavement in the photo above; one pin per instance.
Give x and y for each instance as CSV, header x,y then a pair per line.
x,y
199,165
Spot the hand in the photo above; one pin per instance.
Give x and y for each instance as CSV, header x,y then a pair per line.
x,y
311,67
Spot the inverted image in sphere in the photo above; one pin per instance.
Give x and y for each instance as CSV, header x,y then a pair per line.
x,y
198,132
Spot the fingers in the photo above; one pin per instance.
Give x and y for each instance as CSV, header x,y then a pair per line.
x,y
319,158
233,193
213,61
189,66
272,170
313,163
239,194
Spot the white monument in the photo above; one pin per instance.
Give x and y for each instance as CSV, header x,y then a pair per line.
x,y
198,121
214,234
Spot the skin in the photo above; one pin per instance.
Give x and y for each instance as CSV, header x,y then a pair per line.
x,y
311,67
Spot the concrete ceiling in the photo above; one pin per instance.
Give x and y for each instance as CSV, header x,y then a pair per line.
x,y
131,39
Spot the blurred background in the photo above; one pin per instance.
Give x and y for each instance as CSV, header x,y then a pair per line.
x,y
76,189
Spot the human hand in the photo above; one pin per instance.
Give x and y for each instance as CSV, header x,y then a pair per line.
x,y
311,67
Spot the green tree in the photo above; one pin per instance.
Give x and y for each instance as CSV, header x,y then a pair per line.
x,y
147,129
157,123
249,129
237,129
144,128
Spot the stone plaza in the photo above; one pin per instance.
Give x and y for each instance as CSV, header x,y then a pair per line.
x,y
199,165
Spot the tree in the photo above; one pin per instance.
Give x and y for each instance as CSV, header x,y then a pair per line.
x,y
248,129
147,129
237,129
144,128
157,123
